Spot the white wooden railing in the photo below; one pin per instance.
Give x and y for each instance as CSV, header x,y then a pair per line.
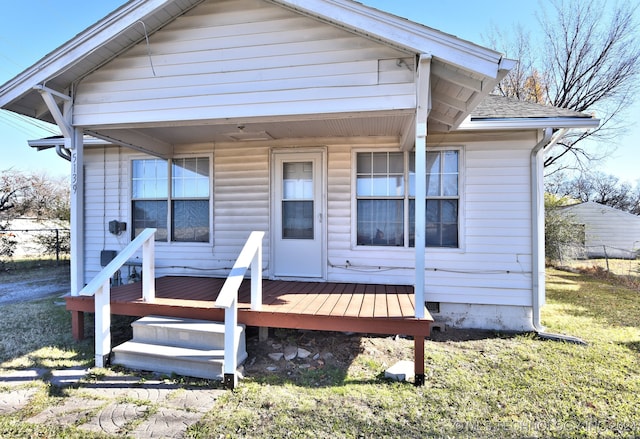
x,y
250,256
100,287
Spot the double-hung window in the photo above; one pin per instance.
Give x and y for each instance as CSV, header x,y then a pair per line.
x,y
442,202
380,193
385,198
173,197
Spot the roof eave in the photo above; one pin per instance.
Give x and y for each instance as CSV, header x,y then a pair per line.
x,y
528,123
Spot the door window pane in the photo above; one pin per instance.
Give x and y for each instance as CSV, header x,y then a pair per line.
x,y
297,219
297,182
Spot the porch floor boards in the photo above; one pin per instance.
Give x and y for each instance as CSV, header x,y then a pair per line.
x,y
365,308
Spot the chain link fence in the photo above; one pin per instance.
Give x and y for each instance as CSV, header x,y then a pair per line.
x,y
35,243
610,259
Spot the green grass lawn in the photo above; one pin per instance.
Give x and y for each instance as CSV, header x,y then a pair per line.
x,y
488,385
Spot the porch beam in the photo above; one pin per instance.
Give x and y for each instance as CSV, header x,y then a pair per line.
x,y
442,71
423,109
61,119
408,136
442,118
137,141
443,98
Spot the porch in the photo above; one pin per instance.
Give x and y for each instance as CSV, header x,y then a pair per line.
x,y
361,308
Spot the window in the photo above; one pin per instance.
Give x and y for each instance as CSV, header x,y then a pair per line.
x,y
384,190
172,197
380,193
442,199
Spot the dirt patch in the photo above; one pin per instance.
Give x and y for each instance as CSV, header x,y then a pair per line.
x,y
322,357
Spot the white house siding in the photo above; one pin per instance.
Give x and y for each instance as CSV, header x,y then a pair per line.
x,y
243,58
488,279
487,282
240,200
605,226
106,199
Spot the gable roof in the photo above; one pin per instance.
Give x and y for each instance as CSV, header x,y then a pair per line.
x,y
465,70
592,206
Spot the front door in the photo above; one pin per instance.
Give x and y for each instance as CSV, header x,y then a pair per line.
x,y
298,229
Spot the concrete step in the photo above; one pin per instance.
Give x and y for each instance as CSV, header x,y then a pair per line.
x,y
187,333
182,346
198,363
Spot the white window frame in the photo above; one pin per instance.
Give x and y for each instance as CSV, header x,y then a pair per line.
x,y
405,247
169,198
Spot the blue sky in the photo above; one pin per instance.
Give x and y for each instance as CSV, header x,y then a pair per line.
x,y
29,29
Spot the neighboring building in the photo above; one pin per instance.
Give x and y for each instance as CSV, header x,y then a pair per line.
x,y
307,120
608,232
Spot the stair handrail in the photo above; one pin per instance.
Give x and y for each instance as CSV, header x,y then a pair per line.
x,y
250,257
100,287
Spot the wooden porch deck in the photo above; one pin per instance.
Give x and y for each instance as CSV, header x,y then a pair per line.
x,y
362,308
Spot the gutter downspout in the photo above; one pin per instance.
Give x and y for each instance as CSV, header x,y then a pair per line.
x,y
63,152
537,226
537,236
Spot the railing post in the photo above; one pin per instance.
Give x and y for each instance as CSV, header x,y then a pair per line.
x,y
256,279
148,270
230,346
103,324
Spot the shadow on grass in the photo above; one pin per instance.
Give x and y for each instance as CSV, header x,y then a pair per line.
x,y
632,345
604,299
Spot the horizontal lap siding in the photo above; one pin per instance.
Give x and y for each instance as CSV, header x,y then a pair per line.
x,y
240,200
105,177
245,58
494,265
241,197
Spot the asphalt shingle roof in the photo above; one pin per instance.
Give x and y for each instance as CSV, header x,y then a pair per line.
x,y
501,107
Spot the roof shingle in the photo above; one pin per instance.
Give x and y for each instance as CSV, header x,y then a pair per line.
x,y
501,107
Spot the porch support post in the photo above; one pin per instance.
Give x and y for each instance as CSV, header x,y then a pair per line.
x,y
77,325
418,359
73,141
102,300
75,145
423,99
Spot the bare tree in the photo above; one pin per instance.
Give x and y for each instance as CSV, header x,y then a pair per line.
x,y
33,194
598,187
589,61
12,187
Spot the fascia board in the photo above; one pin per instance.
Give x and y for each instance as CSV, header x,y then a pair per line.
x,y
70,53
529,123
399,32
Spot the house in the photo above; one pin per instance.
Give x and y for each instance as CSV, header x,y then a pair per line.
x,y
326,124
608,232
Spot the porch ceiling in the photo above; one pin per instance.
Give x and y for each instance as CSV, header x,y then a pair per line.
x,y
161,138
